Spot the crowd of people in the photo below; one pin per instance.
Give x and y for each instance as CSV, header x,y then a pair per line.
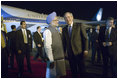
x,y
54,47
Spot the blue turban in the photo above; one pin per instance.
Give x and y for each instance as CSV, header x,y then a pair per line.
x,y
51,17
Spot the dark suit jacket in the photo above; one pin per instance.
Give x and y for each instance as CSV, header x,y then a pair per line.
x,y
112,38
20,40
94,37
37,39
79,41
12,39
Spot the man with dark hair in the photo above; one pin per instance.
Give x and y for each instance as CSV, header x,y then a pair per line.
x,y
108,43
12,45
13,27
75,43
95,45
39,43
24,47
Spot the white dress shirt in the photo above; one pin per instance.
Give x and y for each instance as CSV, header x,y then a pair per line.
x,y
47,44
110,30
71,26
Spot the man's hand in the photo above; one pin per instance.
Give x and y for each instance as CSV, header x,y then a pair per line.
x,y
39,45
52,65
97,41
19,51
109,43
10,54
104,44
85,53
113,26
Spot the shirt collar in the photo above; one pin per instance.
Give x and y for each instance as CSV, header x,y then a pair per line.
x,y
71,25
23,29
38,32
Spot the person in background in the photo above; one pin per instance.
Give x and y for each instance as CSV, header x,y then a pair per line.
x,y
95,45
39,43
24,47
4,54
54,48
90,38
12,45
108,44
3,28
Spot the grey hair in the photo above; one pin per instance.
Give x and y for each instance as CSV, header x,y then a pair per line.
x,y
68,13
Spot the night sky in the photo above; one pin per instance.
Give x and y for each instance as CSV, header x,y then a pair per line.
x,y
84,10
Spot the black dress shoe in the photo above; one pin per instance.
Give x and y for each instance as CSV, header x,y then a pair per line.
x,y
34,59
10,67
30,71
19,75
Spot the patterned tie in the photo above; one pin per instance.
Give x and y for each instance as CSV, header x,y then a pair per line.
x,y
41,36
25,37
3,40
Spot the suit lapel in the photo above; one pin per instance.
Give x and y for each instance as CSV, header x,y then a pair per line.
x,y
67,33
21,33
27,34
73,30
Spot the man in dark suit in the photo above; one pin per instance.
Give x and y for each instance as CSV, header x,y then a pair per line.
x,y
75,43
95,45
108,43
12,45
24,47
90,38
39,43
4,55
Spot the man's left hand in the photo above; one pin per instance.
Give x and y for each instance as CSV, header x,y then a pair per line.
x,y
85,53
109,43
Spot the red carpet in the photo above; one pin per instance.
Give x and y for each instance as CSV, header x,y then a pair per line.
x,y
38,69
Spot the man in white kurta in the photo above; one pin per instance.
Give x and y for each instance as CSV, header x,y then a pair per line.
x,y
54,49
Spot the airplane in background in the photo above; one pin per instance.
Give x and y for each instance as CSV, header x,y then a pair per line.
x,y
13,16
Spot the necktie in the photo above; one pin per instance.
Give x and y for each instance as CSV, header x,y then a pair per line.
x,y
3,40
25,37
70,30
107,34
41,36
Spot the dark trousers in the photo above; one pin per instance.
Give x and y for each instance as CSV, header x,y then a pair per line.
x,y
77,65
109,58
13,54
96,49
89,43
25,52
4,63
39,53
